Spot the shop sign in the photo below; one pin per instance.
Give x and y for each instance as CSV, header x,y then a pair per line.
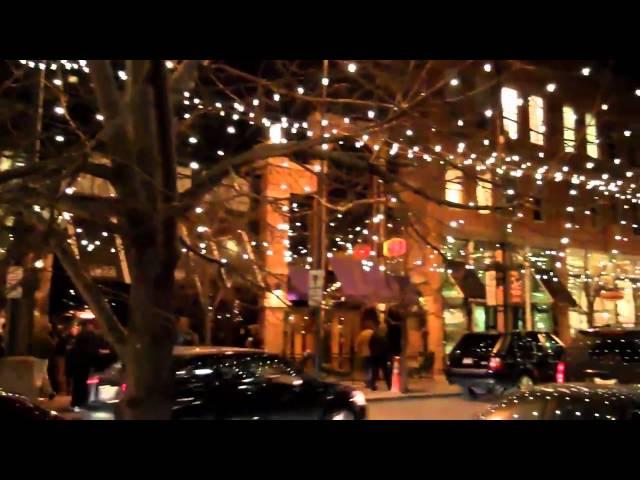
x,y
515,287
490,286
14,277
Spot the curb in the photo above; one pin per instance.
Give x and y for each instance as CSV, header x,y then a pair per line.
x,y
413,396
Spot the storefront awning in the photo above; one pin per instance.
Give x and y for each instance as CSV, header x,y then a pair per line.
x,y
556,288
356,284
467,281
372,286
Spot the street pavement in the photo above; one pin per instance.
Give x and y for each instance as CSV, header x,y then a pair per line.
x,y
434,408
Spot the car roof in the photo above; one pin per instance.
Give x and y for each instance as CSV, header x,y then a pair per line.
x,y
183,351
609,329
583,389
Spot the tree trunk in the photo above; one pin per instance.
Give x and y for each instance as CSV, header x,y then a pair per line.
x,y
149,371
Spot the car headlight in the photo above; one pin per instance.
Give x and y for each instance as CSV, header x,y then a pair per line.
x,y
358,398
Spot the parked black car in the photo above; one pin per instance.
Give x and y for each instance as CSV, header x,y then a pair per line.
x,y
18,408
492,362
237,383
604,356
569,402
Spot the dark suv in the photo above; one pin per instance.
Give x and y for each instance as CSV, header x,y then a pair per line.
x,y
492,362
603,355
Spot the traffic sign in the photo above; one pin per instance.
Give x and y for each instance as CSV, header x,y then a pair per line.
x,y
316,287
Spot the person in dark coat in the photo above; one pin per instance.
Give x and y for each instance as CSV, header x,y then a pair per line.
x,y
394,332
380,358
82,352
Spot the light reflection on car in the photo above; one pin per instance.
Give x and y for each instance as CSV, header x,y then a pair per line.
x,y
577,401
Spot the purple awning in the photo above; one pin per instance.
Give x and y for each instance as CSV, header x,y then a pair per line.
x,y
356,284
298,287
373,286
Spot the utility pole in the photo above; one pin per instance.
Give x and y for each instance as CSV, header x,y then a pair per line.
x,y
318,241
319,254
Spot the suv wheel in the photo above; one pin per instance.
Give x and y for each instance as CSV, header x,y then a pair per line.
x,y
469,393
525,382
341,415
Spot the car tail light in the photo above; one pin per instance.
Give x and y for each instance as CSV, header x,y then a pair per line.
x,y
93,380
560,368
495,363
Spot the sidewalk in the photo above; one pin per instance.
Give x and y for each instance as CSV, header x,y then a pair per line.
x,y
418,388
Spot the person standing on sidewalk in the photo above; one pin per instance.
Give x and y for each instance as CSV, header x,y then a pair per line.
x,y
369,320
380,358
82,353
42,348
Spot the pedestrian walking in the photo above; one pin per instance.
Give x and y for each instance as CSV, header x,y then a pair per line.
x,y
42,349
380,358
369,321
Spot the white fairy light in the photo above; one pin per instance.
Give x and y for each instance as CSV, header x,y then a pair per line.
x,y
551,87
325,81
487,67
194,165
585,71
352,67
193,140
59,138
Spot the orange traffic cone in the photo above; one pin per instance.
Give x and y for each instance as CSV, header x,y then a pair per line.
x,y
395,375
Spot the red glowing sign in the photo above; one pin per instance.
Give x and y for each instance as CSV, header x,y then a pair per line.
x,y
361,251
394,247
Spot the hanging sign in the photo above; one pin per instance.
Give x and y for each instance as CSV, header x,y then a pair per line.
x,y
361,251
394,247
616,294
316,286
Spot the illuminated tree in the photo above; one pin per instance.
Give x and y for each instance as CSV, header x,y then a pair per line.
x,y
176,141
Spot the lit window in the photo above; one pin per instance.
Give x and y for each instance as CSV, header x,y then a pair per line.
x,y
453,185
509,100
536,120
484,193
591,135
569,129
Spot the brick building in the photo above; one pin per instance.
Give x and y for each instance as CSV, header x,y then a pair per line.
x,y
559,145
